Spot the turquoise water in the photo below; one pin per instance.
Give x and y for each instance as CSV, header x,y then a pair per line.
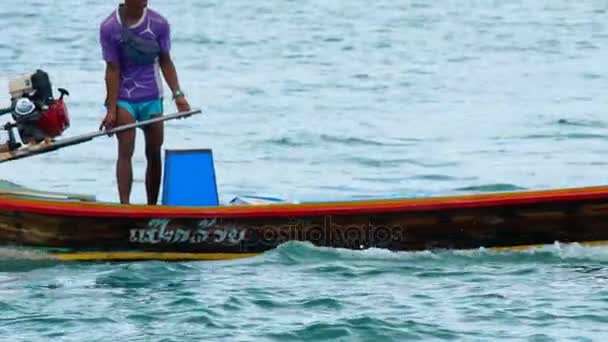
x,y
303,293
326,100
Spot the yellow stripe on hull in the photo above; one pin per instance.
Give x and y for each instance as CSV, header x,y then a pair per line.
x,y
525,247
176,256
163,256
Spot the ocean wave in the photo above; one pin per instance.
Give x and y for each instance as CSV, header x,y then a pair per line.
x,y
303,253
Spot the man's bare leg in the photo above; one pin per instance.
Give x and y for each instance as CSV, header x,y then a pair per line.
x,y
154,140
126,145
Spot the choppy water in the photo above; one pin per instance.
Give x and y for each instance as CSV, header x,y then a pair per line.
x,y
314,100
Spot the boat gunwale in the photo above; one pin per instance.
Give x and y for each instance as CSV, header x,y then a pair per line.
x,y
354,207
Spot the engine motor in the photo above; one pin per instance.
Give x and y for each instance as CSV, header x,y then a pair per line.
x,y
38,115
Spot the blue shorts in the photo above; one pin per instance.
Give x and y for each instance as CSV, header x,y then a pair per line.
x,y
143,110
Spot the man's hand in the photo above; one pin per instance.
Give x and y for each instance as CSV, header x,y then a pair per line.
x,y
182,104
109,121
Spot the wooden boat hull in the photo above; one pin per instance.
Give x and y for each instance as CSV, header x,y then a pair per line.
x,y
82,230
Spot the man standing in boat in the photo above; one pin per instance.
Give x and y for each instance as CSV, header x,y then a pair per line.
x,y
135,42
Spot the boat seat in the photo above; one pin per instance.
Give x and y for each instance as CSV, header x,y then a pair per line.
x,y
9,189
256,200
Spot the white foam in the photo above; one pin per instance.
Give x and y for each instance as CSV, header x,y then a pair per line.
x,y
8,253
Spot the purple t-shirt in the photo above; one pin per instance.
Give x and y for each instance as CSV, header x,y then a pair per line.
x,y
138,82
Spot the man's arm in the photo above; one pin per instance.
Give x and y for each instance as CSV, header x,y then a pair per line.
x,y
112,85
112,92
168,69
110,52
170,74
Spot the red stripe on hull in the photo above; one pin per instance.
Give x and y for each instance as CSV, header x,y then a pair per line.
x,y
308,209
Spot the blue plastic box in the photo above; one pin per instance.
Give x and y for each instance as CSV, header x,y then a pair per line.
x,y
189,178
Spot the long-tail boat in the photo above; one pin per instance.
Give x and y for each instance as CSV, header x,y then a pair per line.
x,y
190,224
75,227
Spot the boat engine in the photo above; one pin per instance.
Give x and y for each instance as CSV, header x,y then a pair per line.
x,y
37,114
